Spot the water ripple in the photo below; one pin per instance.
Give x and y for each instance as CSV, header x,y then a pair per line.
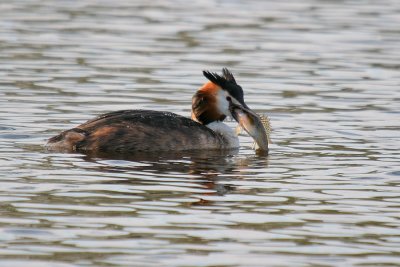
x,y
326,72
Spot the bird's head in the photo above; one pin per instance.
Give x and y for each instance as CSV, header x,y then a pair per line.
x,y
220,97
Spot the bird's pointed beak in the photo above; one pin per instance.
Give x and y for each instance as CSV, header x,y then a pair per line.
x,y
251,123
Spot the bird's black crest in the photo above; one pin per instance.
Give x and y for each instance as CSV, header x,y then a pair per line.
x,y
215,78
226,82
219,80
228,75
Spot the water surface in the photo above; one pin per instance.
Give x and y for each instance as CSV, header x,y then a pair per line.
x,y
326,73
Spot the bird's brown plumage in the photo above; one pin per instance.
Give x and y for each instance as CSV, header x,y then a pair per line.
x,y
205,106
130,131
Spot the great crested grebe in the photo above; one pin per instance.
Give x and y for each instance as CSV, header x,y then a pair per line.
x,y
130,131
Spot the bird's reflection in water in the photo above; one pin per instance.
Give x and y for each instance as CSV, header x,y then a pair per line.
x,y
205,168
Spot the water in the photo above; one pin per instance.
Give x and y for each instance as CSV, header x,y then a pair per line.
x,y
326,73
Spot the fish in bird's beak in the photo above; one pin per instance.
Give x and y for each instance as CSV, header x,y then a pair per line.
x,y
251,123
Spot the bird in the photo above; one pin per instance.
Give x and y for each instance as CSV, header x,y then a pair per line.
x,y
137,130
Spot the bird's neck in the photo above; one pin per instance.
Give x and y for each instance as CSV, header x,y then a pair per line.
x,y
230,138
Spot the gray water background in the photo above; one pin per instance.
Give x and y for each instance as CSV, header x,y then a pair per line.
x,y
326,73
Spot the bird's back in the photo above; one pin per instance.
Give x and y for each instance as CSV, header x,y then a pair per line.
x,y
129,131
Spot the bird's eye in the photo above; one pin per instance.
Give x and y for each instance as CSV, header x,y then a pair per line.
x,y
229,98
